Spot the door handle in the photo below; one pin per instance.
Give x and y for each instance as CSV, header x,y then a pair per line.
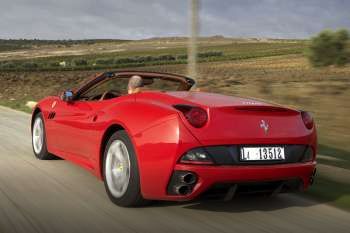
x,y
94,118
96,115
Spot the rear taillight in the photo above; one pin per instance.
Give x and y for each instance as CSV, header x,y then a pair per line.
x,y
196,116
307,119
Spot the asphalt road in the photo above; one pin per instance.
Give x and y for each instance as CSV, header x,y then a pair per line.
x,y
57,196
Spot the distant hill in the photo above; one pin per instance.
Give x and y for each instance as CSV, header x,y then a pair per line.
x,y
16,44
90,49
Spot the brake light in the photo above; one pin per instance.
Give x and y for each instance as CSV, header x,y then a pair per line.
x,y
196,116
307,119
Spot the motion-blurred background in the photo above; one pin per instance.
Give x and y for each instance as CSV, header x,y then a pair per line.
x,y
295,53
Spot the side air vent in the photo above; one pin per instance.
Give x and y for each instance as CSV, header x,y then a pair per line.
x,y
51,115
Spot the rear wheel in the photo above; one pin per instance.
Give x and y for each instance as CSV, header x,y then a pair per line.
x,y
120,171
39,138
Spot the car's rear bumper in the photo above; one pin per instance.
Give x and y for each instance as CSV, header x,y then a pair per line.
x,y
208,176
159,161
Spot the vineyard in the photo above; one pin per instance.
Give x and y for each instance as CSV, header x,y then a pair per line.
x,y
138,54
277,72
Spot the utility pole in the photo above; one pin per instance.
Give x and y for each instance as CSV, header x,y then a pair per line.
x,y
192,45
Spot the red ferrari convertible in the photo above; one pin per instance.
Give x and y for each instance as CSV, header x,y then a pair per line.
x,y
165,142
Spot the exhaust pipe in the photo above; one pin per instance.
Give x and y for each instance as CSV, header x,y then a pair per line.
x,y
182,189
182,183
188,178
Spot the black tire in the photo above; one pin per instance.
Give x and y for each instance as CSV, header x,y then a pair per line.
x,y
44,153
132,196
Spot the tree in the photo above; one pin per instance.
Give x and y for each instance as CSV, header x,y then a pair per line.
x,y
329,48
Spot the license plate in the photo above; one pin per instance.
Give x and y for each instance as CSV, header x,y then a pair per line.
x,y
262,153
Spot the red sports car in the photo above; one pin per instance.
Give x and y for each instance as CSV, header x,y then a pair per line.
x,y
165,142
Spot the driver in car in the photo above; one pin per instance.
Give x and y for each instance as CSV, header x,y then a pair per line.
x,y
135,84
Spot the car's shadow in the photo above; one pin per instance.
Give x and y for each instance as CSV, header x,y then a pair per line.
x,y
243,203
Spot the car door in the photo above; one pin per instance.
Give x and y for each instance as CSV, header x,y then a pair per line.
x,y
76,121
73,124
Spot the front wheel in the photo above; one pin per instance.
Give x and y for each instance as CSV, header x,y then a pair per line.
x,y
120,171
39,138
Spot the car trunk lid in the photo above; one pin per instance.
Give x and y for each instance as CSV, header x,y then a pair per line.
x,y
234,120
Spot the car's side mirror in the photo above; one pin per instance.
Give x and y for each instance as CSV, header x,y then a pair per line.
x,y
67,96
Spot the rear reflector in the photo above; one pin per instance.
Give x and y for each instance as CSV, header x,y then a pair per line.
x,y
307,119
196,116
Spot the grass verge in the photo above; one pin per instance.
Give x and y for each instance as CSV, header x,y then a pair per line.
x,y
15,105
342,157
333,193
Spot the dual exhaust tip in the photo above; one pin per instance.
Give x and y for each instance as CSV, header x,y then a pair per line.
x,y
183,190
183,182
188,178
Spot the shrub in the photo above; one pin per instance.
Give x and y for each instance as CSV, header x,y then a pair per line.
x,y
181,57
80,62
8,65
329,48
141,59
54,64
30,65
210,54
105,61
149,59
124,60
166,58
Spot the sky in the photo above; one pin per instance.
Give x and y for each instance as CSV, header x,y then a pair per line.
x,y
139,19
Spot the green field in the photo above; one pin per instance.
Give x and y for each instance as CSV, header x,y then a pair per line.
x,y
122,54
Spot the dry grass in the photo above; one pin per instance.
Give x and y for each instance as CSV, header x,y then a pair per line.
x,y
150,47
287,80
